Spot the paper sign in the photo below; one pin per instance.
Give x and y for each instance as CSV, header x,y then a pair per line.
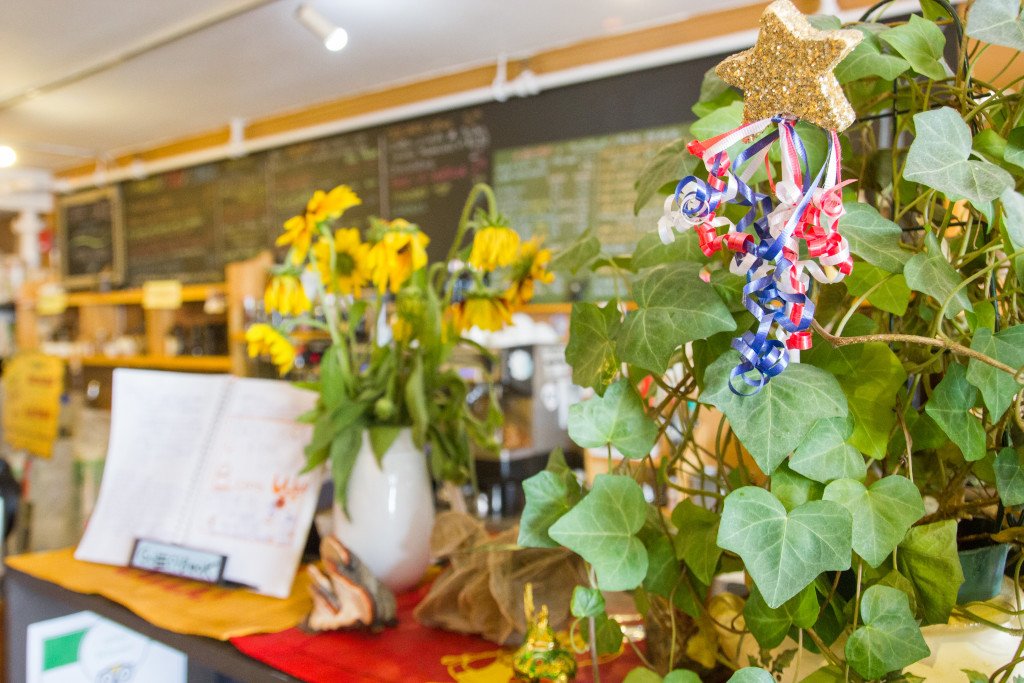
x,y
33,384
161,294
84,647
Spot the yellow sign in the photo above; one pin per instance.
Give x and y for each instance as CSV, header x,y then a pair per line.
x,y
33,384
161,294
53,300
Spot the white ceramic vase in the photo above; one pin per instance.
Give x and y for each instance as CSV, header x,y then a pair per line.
x,y
390,513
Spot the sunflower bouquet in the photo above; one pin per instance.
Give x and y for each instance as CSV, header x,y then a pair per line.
x,y
394,321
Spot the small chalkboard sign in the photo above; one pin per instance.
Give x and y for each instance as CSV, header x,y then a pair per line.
x,y
90,237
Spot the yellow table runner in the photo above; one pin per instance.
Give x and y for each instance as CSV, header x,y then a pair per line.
x,y
174,604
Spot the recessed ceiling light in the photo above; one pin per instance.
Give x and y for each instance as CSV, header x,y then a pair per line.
x,y
7,156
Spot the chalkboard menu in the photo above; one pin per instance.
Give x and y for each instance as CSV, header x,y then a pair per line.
x,y
89,227
560,189
242,227
432,164
295,172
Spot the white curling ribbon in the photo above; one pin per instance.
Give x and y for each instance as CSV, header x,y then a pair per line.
x,y
742,264
835,259
785,281
763,270
777,220
788,192
827,275
665,230
737,135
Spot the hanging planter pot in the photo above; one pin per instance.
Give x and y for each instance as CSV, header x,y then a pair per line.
x,y
390,512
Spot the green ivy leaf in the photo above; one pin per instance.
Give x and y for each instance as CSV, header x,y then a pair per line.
x,y
997,22
824,454
975,676
950,407
717,122
607,634
617,418
674,306
591,349
873,237
576,255
770,626
751,675
871,389
894,579
774,421
927,557
651,251
792,489
889,639
1014,152
1009,467
882,513
547,500
998,388
681,676
602,529
890,292
784,552
672,163
587,602
1012,228
921,43
698,546
826,674
868,60
930,272
642,675
938,157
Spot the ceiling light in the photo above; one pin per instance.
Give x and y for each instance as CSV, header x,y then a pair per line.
x,y
333,36
7,157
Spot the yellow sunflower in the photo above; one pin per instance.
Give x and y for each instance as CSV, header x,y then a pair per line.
x,y
286,295
493,247
298,230
486,312
530,265
400,252
262,338
351,272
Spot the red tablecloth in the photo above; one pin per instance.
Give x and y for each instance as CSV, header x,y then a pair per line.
x,y
409,653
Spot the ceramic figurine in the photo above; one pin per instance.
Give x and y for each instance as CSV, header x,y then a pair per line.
x,y
346,594
541,657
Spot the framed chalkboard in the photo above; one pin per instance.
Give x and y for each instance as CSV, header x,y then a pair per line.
x,y
91,238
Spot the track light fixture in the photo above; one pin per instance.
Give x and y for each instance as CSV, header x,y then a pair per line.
x,y
7,156
333,37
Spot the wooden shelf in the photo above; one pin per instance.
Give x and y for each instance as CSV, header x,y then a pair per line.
x,y
134,296
183,363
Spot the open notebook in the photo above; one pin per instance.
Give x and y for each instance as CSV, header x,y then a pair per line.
x,y
209,462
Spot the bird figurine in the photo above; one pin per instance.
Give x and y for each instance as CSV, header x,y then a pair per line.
x,y
346,594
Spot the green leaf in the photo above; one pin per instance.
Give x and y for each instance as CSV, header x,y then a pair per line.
x,y
416,403
997,22
890,292
617,418
894,579
576,255
651,251
882,513
824,454
591,349
381,438
717,122
681,676
1014,152
1012,228
975,676
950,407
332,379
930,272
587,602
998,388
698,546
938,157
870,379
784,552
1009,467
826,674
921,43
751,675
825,22
774,421
344,450
674,306
672,163
642,675
547,500
770,626
927,557
873,237
602,529
663,568
792,489
607,634
889,639
557,466
867,60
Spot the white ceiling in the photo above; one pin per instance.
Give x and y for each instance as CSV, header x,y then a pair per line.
x,y
258,63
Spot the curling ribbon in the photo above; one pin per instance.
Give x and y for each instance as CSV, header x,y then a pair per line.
x,y
766,241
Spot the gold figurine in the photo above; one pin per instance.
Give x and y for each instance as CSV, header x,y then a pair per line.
x,y
541,657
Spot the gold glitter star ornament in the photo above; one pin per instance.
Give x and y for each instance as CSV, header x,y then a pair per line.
x,y
789,70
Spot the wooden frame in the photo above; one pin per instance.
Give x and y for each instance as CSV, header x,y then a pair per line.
x,y
105,226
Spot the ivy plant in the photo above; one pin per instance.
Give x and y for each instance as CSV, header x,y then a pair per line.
x,y
837,488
